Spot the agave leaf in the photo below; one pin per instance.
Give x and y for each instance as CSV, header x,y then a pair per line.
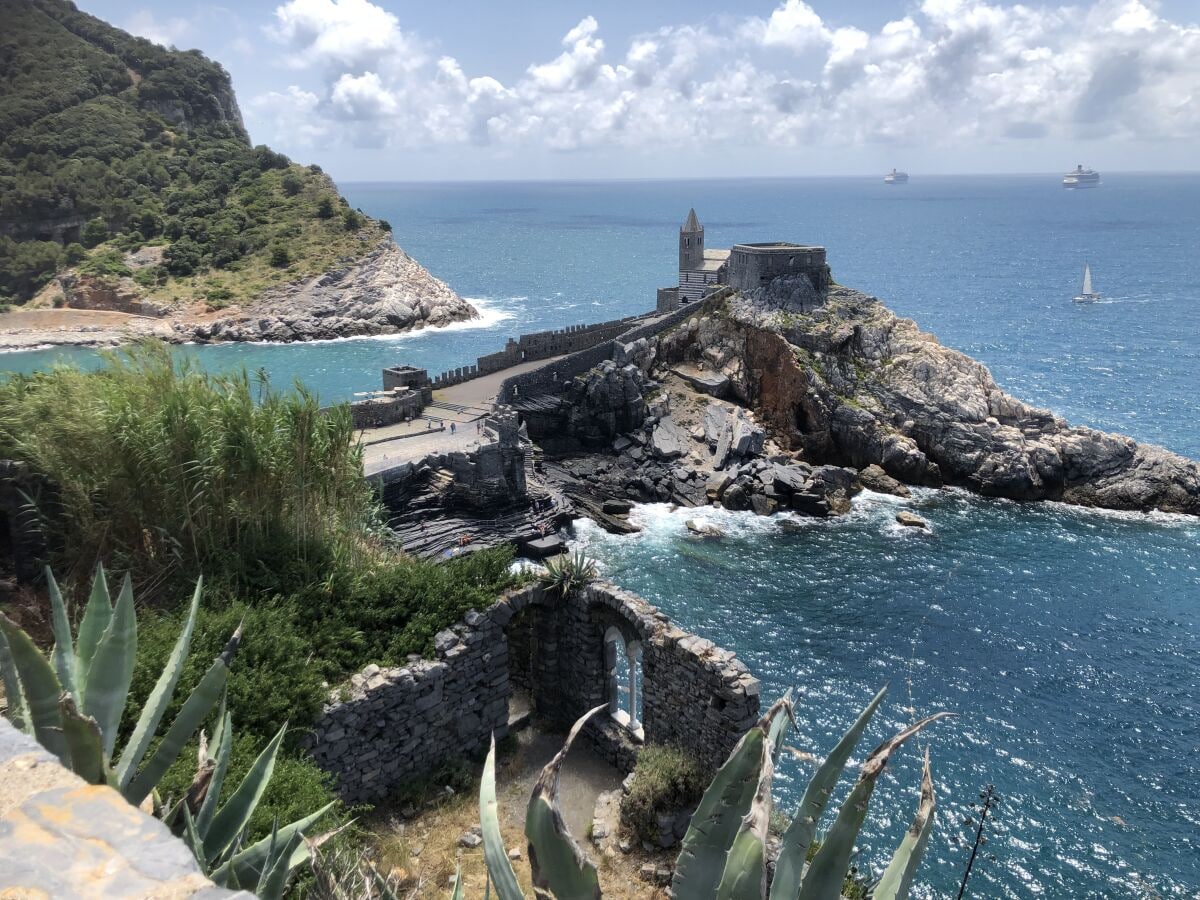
x,y
224,736
246,866
798,836
159,699
274,877
499,869
779,728
195,709
745,875
64,649
96,616
111,671
233,817
898,877
12,688
715,824
828,869
191,837
39,687
84,742
457,893
557,863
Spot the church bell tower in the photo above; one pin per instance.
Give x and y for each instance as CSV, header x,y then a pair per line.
x,y
691,244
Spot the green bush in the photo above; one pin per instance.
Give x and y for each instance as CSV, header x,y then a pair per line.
x,y
351,220
280,258
94,232
666,780
325,208
106,264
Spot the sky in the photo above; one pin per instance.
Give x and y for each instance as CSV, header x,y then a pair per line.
x,y
397,90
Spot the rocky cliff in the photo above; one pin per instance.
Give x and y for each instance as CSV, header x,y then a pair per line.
x,y
384,292
850,383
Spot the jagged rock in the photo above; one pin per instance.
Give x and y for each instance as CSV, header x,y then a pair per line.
x,y
716,417
873,478
667,441
717,484
735,498
384,292
764,506
615,507
703,529
909,520
790,479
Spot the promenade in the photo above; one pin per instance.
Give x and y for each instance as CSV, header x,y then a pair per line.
x,y
462,405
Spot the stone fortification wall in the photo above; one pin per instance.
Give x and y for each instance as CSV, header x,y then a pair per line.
x,y
387,409
754,266
539,345
390,726
550,377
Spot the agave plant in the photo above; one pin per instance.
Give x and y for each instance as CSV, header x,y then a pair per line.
x,y
724,854
72,705
568,573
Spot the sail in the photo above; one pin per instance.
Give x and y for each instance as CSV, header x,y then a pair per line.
x,y
1087,279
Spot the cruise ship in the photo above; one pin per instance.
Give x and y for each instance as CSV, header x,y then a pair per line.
x,y
894,177
1081,178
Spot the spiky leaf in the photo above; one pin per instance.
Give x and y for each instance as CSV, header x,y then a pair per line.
x,y
745,875
39,687
12,688
223,737
800,832
111,671
96,616
247,865
556,862
897,878
159,699
500,870
715,824
233,817
64,649
84,742
828,869
195,709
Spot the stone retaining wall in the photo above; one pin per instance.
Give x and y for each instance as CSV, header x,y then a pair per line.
x,y
390,726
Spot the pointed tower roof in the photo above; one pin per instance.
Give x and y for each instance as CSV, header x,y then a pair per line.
x,y
692,223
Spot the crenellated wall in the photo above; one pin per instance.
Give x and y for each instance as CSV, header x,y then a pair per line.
x,y
390,726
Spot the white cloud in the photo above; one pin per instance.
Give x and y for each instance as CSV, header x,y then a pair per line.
x,y
166,32
952,70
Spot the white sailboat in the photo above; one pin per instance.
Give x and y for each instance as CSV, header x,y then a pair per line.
x,y
1087,295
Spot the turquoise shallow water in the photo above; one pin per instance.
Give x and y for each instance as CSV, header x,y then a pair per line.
x,y
1067,640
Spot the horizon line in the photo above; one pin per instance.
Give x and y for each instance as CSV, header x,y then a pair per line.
x,y
669,178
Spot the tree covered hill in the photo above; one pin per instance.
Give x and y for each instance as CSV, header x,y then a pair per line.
x,y
109,143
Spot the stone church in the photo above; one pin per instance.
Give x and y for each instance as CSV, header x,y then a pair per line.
x,y
745,267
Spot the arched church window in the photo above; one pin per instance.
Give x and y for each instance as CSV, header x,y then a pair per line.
x,y
623,666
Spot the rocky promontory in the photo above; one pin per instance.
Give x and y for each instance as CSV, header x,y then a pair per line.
x,y
851,383
766,402
384,292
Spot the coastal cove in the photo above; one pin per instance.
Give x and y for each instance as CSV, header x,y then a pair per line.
x,y
1046,627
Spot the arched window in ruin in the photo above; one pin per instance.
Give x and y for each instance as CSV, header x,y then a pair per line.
x,y
623,667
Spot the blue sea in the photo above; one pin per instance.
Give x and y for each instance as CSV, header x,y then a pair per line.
x,y
1067,641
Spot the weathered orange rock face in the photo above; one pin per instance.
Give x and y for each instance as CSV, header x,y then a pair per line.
x,y
119,295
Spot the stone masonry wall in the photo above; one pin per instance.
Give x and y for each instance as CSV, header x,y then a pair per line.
x,y
390,726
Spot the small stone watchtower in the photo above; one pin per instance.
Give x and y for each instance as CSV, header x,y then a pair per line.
x,y
691,244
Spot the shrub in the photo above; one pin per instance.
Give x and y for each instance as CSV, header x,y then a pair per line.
x,y
280,257
291,184
325,208
183,257
73,254
106,264
94,232
665,780
351,220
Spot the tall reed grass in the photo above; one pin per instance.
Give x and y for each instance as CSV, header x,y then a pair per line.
x,y
169,472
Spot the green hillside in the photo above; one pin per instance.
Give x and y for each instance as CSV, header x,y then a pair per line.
x,y
109,142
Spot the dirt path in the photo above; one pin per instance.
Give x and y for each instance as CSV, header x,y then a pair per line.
x,y
433,834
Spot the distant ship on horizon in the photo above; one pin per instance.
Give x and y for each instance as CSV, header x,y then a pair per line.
x,y
1087,295
894,177
1081,178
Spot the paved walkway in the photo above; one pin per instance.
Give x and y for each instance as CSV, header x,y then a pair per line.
x,y
462,404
